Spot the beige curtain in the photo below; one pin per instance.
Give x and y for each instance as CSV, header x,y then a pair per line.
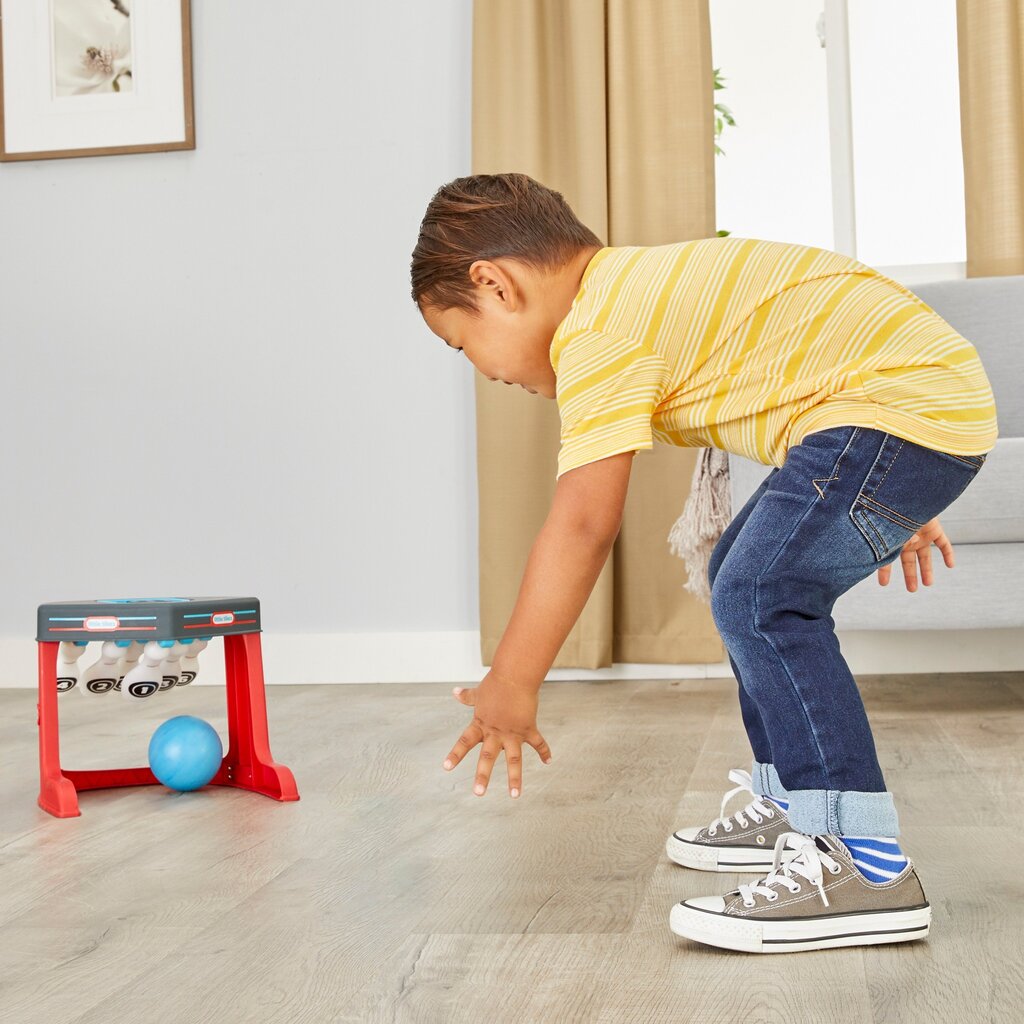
x,y
990,42
610,103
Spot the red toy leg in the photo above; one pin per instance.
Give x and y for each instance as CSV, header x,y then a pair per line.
x,y
58,787
57,794
248,763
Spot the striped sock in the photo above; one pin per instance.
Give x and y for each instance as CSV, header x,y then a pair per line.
x,y
878,858
784,804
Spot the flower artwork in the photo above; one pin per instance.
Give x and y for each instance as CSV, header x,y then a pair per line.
x,y
92,46
95,78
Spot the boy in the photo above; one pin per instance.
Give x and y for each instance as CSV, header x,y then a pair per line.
x,y
875,414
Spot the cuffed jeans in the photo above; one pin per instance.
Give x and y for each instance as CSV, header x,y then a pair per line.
x,y
842,505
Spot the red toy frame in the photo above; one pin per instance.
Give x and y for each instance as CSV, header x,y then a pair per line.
x,y
248,764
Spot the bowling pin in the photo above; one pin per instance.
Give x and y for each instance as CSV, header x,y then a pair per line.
x,y
144,680
101,676
190,660
67,663
131,651
171,668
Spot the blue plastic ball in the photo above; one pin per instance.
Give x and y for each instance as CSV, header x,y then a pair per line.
x,y
185,752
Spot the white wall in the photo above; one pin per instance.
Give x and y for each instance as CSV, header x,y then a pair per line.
x,y
215,379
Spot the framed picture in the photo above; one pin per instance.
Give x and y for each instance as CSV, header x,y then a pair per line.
x,y
94,77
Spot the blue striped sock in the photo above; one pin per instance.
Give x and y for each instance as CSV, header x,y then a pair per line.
x,y
877,858
784,804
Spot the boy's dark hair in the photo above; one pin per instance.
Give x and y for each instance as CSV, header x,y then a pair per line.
x,y
487,216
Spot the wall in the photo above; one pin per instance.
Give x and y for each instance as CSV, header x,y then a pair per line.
x,y
215,378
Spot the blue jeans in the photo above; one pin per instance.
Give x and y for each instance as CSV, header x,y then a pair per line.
x,y
843,504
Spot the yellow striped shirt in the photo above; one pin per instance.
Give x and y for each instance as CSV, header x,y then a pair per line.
x,y
748,345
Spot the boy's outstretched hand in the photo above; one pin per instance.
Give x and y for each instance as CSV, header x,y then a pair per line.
x,y
504,718
918,549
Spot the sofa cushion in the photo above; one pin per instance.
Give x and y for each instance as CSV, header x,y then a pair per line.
x,y
989,313
991,509
981,591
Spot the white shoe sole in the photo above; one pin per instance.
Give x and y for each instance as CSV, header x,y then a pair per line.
x,y
738,859
795,935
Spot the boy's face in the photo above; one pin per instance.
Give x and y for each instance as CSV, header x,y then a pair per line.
x,y
510,340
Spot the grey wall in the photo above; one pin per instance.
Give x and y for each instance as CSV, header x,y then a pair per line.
x,y
214,379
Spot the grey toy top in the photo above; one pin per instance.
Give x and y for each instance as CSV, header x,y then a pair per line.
x,y
147,618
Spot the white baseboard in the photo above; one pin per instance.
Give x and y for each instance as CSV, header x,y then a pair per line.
x,y
455,658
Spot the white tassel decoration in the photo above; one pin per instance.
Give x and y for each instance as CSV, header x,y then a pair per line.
x,y
705,516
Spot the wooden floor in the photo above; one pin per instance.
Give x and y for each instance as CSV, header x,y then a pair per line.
x,y
389,892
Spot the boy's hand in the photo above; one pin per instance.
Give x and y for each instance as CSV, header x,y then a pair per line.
x,y
564,564
917,549
504,717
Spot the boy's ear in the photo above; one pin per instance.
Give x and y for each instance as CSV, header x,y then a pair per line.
x,y
497,282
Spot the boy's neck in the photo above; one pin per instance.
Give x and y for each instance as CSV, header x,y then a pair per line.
x,y
566,284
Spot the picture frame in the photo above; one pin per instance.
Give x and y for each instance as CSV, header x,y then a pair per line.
x,y
94,78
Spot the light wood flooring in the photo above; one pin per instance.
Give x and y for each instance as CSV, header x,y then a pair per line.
x,y
389,892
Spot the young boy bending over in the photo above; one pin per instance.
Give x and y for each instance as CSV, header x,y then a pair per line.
x,y
875,415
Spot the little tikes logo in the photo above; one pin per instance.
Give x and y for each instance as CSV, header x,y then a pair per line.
x,y
102,622
222,618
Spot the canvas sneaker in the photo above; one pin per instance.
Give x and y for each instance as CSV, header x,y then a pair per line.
x,y
742,842
817,900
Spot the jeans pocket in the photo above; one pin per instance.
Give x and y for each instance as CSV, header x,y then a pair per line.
x,y
977,461
906,486
885,533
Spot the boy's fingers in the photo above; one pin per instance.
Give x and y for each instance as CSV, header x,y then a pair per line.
x,y
465,694
540,745
925,558
488,755
884,574
946,548
514,763
909,560
466,742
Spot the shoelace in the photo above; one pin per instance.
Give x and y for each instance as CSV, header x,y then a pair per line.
x,y
809,863
757,809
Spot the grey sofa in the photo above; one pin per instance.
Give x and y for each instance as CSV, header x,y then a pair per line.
x,y
985,589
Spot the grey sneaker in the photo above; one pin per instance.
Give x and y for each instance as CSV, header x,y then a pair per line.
x,y
742,842
815,901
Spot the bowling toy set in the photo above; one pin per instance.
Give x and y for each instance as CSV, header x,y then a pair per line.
x,y
147,646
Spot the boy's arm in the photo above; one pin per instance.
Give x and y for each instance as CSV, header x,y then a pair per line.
x,y
564,564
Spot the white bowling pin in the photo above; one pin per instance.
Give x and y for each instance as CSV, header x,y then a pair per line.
x,y
101,676
190,661
144,680
67,663
170,670
131,651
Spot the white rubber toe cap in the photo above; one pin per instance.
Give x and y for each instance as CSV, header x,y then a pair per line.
x,y
715,904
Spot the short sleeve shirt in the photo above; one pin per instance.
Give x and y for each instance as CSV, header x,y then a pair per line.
x,y
608,390
748,345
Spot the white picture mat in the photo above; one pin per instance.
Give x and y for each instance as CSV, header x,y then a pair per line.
x,y
36,121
